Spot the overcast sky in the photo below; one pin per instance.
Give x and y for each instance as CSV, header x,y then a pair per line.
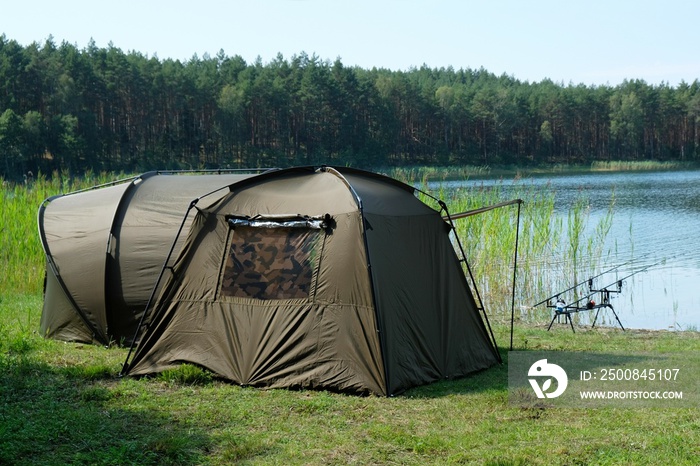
x,y
591,42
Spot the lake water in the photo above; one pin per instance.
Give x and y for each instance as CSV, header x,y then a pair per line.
x,y
656,221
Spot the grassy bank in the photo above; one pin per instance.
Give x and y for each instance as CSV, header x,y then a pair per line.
x,y
63,403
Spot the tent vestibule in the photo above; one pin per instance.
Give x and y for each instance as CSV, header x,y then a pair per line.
x,y
328,278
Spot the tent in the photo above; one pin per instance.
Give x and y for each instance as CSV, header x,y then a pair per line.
x,y
105,246
330,278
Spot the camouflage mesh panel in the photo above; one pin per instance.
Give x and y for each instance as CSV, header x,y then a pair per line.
x,y
270,263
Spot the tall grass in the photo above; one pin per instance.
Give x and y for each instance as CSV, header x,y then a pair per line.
x,y
21,255
555,249
645,165
461,172
409,174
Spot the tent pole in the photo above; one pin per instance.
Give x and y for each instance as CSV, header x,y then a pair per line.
x,y
515,272
450,218
471,276
481,210
96,332
192,205
125,367
370,271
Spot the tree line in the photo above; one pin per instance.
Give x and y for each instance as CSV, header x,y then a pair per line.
x,y
65,108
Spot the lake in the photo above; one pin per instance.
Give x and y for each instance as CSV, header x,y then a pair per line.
x,y
654,235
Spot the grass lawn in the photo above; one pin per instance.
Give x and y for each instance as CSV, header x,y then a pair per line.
x,y
63,403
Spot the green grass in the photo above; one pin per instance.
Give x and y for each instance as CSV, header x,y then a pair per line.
x,y
21,256
64,403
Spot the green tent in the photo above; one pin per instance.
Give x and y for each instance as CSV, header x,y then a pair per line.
x,y
329,278
105,247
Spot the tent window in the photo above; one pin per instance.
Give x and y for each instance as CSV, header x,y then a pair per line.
x,y
270,261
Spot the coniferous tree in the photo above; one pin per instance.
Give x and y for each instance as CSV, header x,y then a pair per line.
x,y
65,108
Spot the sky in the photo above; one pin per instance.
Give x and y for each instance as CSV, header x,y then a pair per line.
x,y
589,42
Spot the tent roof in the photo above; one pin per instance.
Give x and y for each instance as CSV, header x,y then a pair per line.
x,y
373,192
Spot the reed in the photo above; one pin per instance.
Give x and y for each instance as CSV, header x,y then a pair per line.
x,y
21,255
639,165
555,250
461,172
411,174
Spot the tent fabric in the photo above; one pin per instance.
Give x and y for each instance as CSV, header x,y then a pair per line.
x,y
105,247
77,229
378,301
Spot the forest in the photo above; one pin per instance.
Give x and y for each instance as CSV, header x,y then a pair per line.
x,y
63,108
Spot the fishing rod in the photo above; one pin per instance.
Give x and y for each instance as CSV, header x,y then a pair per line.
x,y
589,280
617,282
